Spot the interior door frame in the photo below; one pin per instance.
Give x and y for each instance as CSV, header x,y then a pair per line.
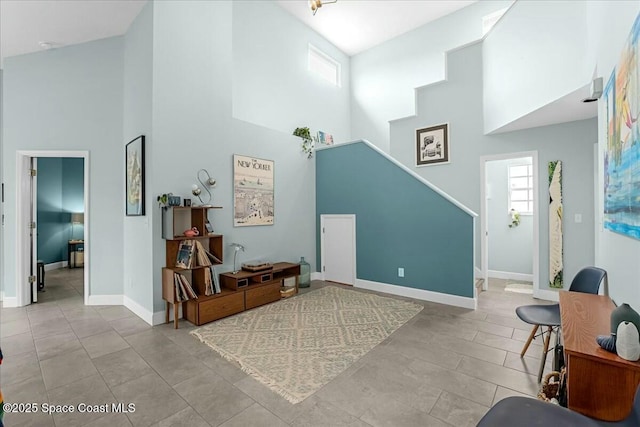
x,y
352,217
23,204
484,241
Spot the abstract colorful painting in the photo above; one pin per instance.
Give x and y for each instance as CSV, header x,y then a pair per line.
x,y
622,157
556,265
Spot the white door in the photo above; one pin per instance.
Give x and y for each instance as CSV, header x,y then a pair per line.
x,y
338,248
33,230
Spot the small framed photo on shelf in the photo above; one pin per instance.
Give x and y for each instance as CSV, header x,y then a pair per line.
x,y
432,145
325,138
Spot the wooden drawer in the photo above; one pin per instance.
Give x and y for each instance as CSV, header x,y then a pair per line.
x,y
214,309
261,295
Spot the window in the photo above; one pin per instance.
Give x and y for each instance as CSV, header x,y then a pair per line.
x,y
521,188
324,66
490,20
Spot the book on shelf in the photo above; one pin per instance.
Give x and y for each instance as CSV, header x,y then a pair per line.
x,y
184,290
184,259
216,280
201,255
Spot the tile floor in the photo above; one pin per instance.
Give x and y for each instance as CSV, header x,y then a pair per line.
x,y
445,367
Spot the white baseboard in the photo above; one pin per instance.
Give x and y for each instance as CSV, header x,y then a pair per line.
x,y
146,315
508,275
56,265
105,300
1,296
421,294
546,294
9,302
317,275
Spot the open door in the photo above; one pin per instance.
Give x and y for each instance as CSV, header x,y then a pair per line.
x,y
33,231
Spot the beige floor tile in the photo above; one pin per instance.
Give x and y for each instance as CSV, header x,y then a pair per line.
x,y
121,366
105,343
326,414
254,416
67,368
392,413
187,417
154,399
18,344
55,345
213,397
458,411
506,377
503,393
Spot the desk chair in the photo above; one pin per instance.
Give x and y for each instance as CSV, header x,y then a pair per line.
x,y
587,280
529,412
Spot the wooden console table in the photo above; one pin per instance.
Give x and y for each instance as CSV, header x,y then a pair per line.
x,y
600,384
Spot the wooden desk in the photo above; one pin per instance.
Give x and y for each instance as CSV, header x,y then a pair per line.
x,y
599,383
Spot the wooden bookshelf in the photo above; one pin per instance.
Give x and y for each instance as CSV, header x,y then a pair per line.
x,y
176,220
241,291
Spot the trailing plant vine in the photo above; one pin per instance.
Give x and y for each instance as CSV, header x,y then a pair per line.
x,y
308,141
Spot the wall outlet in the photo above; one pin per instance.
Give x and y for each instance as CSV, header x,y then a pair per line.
x,y
400,271
578,218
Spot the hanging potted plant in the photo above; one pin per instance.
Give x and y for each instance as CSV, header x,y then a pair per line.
x,y
308,141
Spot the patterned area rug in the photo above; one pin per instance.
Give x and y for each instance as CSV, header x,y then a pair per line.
x,y
297,345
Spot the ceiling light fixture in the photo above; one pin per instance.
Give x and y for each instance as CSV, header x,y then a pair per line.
x,y
317,4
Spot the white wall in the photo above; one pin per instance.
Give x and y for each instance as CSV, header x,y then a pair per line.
x,y
272,86
136,120
534,55
459,102
610,24
193,128
510,249
384,78
70,99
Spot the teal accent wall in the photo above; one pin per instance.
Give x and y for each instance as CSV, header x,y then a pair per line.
x,y
400,221
60,193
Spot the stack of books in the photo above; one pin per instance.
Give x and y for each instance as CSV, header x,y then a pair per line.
x,y
184,291
192,253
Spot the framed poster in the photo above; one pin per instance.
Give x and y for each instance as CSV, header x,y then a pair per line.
x,y
432,145
134,177
252,191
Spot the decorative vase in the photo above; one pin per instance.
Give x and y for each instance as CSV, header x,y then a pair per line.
x,y
305,274
624,313
628,341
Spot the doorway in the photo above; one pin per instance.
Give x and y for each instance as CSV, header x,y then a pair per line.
x,y
510,220
338,248
30,272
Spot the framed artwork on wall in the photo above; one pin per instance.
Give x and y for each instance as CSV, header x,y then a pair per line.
x,y
621,167
134,177
432,145
253,191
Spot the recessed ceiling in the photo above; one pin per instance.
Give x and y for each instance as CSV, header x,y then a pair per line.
x,y
355,26
24,24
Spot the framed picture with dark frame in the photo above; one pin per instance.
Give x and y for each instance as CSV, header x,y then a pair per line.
x,y
134,177
432,145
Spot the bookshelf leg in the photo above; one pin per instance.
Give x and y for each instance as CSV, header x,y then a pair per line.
x,y
175,316
166,312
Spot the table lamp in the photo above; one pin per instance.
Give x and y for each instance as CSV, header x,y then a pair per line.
x,y
76,218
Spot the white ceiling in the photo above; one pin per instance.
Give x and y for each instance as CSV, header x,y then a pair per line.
x,y
26,23
357,25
